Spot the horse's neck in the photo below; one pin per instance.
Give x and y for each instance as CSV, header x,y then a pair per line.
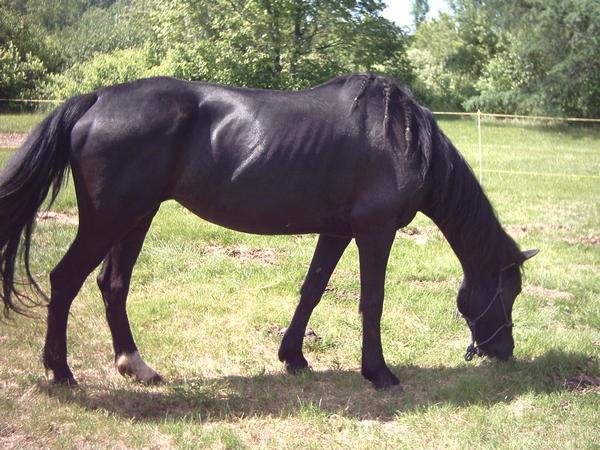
x,y
468,241
462,212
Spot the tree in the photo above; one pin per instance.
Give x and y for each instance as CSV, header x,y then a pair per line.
x,y
548,59
277,43
287,44
24,54
419,10
449,54
105,27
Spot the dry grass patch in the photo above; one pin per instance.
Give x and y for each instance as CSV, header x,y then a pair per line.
x,y
419,235
243,253
586,240
566,233
584,379
546,293
13,438
66,218
340,294
582,382
12,140
433,284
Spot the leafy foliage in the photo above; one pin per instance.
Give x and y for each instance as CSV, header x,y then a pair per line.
x,y
24,56
419,10
549,60
102,70
526,56
277,43
19,71
450,54
104,29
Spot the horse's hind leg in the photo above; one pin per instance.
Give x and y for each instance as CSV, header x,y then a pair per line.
x,y
84,254
113,282
327,254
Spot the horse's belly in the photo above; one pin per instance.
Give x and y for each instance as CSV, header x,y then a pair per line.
x,y
263,212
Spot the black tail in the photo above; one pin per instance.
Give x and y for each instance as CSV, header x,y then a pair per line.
x,y
40,164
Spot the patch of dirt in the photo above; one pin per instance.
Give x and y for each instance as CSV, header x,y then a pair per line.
x,y
551,294
341,294
12,438
69,219
419,236
582,382
12,140
518,231
583,379
243,253
433,284
309,334
587,240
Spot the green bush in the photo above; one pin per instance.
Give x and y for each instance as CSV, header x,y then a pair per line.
x,y
104,70
18,72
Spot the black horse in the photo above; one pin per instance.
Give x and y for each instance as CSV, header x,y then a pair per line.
x,y
355,157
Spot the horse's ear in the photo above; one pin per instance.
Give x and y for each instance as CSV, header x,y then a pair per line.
x,y
528,254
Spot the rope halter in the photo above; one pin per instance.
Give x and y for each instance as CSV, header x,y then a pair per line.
x,y
473,348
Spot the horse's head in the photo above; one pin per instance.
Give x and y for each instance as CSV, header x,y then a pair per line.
x,y
486,302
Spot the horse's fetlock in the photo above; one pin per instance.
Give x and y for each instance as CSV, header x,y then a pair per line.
x,y
57,364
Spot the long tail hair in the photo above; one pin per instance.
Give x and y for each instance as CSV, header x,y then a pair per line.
x,y
40,165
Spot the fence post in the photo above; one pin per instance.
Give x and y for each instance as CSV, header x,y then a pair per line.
x,y
480,147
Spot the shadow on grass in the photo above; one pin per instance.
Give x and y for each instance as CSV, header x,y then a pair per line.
x,y
340,392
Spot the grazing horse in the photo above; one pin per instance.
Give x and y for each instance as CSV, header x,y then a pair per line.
x,y
354,158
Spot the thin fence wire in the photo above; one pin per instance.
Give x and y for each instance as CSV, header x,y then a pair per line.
x,y
516,116
32,100
478,115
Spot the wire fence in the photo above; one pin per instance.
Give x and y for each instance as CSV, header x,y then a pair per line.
x,y
479,115
43,104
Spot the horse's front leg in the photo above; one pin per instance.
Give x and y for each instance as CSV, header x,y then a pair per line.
x,y
327,254
374,250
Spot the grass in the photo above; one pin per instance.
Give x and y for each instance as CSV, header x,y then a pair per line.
x,y
20,122
207,304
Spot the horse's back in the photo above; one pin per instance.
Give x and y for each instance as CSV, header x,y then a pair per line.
x,y
249,159
274,161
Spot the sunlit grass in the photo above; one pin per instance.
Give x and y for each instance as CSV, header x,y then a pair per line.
x,y
209,321
19,122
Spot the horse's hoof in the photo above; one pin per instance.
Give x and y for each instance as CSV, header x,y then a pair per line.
x,y
382,379
155,379
388,384
294,361
293,364
69,381
132,365
297,367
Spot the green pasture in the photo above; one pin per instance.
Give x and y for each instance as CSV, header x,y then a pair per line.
x,y
19,123
207,306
